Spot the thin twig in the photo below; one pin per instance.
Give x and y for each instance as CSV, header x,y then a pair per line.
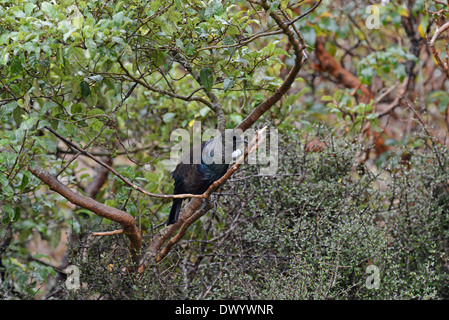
x,y
132,185
107,233
435,53
99,132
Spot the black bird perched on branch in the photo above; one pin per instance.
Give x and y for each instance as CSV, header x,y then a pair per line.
x,y
195,177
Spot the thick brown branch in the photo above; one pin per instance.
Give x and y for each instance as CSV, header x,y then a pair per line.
x,y
124,219
189,213
190,209
327,63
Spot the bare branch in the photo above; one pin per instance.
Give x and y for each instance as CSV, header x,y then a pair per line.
x,y
444,66
108,233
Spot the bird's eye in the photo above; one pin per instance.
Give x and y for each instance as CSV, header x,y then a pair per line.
x,y
212,153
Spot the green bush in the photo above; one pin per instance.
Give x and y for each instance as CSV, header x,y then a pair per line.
x,y
308,232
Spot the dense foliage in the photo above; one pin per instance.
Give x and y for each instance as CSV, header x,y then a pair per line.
x,y
363,161
309,232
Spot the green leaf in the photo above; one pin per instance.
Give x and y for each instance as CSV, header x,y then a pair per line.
x,y
227,41
78,22
215,8
47,144
48,106
25,180
327,98
259,74
95,112
48,9
228,84
92,99
190,49
8,108
236,118
125,46
10,212
28,124
96,125
16,65
179,44
3,181
42,124
97,78
68,34
274,5
399,71
17,263
77,108
16,214
207,78
158,58
85,89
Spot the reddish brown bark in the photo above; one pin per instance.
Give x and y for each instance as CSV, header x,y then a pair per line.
x,y
124,219
327,63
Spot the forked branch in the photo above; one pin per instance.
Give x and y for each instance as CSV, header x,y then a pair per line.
x,y
190,214
443,65
123,218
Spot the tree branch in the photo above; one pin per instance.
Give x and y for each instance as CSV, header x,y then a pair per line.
x,y
107,233
189,213
300,58
124,219
444,66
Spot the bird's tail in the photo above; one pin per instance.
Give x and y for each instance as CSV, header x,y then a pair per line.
x,y
174,212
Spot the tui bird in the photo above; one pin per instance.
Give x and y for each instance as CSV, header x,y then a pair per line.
x,y
196,178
